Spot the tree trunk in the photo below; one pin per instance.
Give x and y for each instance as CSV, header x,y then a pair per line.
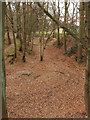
x,y
81,32
32,40
41,49
8,36
2,64
58,40
87,83
19,35
54,12
24,34
65,20
7,29
14,39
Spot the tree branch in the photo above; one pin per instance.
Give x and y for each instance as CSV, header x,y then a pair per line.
x,y
64,26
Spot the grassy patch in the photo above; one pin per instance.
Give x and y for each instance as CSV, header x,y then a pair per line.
x,y
56,31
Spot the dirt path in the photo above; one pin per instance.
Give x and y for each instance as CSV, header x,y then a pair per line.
x,y
48,89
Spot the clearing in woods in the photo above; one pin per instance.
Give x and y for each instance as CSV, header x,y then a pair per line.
x,y
48,89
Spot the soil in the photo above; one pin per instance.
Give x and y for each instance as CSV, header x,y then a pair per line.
x,y
53,88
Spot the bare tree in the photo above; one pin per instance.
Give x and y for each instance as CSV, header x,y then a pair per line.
x,y
24,33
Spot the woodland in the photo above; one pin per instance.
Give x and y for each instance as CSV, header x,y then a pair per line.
x,y
45,59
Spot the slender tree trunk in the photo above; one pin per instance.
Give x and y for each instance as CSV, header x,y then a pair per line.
x,y
76,14
32,40
20,48
8,36
58,40
24,34
64,37
7,28
73,13
87,83
42,43
15,50
18,20
14,39
20,38
19,35
54,12
41,50
81,32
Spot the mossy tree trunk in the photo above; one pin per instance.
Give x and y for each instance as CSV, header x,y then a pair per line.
x,y
2,64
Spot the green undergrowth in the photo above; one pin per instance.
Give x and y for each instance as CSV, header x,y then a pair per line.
x,y
9,51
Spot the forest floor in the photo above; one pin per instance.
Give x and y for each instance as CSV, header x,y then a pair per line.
x,y
53,88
